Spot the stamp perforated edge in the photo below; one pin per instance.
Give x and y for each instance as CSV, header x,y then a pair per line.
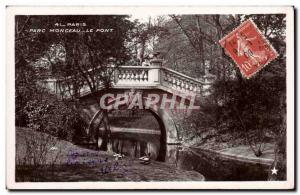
x,y
264,38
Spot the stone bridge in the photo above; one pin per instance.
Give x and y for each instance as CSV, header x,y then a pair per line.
x,y
145,80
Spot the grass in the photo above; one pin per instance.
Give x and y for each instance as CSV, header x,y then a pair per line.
x,y
75,163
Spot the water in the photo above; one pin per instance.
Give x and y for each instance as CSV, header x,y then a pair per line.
x,y
213,167
135,145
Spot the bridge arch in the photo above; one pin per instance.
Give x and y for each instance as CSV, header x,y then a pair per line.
x,y
168,129
154,79
148,79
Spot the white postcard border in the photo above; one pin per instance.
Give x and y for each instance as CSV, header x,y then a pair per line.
x,y
64,10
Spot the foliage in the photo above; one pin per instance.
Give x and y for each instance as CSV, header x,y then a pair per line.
x,y
49,115
35,149
89,56
144,38
83,58
198,122
34,152
254,108
191,46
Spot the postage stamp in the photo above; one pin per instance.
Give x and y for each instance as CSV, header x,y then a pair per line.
x,y
146,98
248,47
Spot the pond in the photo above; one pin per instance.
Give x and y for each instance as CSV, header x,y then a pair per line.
x,y
90,165
212,166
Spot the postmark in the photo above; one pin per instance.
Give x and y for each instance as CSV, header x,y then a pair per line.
x,y
249,48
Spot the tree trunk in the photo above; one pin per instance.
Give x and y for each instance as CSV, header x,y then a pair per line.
x,y
106,134
142,52
102,138
279,160
280,147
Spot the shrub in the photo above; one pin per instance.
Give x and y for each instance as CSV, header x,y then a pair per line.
x,y
49,115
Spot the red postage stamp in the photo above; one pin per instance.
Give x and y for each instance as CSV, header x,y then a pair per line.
x,y
250,50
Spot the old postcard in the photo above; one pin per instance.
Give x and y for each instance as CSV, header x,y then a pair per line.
x,y
150,97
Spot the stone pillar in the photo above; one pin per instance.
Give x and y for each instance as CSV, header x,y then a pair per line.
x,y
154,72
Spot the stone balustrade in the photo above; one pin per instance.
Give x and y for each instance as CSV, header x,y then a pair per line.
x,y
141,77
132,75
181,82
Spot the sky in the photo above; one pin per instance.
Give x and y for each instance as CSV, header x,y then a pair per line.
x,y
142,17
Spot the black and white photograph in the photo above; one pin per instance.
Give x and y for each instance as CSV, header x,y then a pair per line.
x,y
150,98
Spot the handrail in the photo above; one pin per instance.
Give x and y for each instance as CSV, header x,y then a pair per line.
x,y
163,68
139,67
183,75
148,77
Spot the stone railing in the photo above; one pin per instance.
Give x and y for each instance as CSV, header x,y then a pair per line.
x,y
180,82
137,76
142,77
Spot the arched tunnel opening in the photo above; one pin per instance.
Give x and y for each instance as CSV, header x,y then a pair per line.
x,y
134,133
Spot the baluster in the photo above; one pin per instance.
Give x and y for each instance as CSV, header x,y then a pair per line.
x,y
170,80
195,88
135,75
174,81
129,75
166,77
178,83
142,75
120,75
199,89
146,76
182,84
191,87
187,85
124,74
138,76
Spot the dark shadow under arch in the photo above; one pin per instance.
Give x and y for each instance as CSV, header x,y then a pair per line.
x,y
153,110
163,135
